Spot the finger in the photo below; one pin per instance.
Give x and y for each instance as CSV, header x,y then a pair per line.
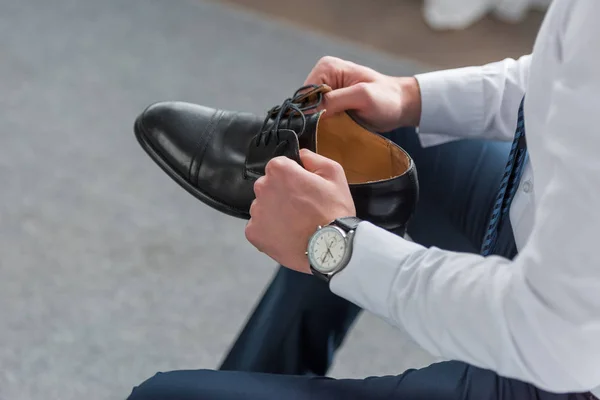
x,y
253,208
282,167
353,97
321,166
284,172
259,186
329,71
252,235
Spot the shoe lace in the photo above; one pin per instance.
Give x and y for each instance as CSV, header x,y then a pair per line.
x,y
301,102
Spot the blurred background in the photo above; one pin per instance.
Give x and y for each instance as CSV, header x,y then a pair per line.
x,y
109,272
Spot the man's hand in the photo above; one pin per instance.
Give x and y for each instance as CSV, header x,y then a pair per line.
x,y
382,102
291,202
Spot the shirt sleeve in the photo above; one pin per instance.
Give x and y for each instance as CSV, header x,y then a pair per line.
x,y
535,318
488,99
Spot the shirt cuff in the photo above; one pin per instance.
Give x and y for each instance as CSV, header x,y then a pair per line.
x,y
451,105
368,278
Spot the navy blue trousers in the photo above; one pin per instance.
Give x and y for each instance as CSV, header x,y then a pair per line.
x,y
290,339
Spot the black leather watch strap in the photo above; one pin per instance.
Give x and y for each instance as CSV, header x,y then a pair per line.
x,y
348,223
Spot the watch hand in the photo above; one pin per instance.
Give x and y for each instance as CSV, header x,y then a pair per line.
x,y
329,252
324,257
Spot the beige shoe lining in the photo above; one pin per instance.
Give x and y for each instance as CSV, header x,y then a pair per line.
x,y
364,155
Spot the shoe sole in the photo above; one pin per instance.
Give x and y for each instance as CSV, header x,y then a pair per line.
x,y
169,170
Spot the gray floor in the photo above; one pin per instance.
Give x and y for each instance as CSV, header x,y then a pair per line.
x,y
110,272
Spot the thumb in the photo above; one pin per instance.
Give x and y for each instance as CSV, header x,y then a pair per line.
x,y
322,166
348,98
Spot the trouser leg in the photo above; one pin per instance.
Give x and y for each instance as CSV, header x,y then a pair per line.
x,y
298,324
442,381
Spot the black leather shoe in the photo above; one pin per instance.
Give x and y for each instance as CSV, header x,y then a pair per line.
x,y
217,155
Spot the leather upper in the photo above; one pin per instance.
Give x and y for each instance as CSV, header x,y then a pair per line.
x,y
216,150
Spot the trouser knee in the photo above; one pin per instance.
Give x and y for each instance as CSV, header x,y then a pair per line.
x,y
180,385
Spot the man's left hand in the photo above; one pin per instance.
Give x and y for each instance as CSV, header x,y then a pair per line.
x,y
291,202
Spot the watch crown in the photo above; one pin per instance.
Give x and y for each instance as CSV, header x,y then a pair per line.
x,y
306,253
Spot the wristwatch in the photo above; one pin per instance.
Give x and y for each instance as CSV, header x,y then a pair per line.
x,y
330,247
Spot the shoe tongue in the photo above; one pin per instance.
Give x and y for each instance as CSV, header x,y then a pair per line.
x,y
298,138
306,129
288,142
292,135
307,138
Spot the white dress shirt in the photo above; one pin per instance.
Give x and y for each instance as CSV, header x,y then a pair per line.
x,y
536,318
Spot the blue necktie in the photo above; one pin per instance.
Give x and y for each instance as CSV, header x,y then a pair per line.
x,y
508,185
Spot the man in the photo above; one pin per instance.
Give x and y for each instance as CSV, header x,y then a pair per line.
x,y
523,326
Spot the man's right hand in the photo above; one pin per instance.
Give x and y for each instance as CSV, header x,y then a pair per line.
x,y
382,102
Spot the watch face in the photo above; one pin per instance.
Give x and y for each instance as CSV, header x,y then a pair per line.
x,y
327,249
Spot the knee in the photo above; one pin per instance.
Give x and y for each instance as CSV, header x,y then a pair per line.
x,y
152,388
180,385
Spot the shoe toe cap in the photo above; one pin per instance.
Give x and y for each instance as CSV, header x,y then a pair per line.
x,y
171,131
